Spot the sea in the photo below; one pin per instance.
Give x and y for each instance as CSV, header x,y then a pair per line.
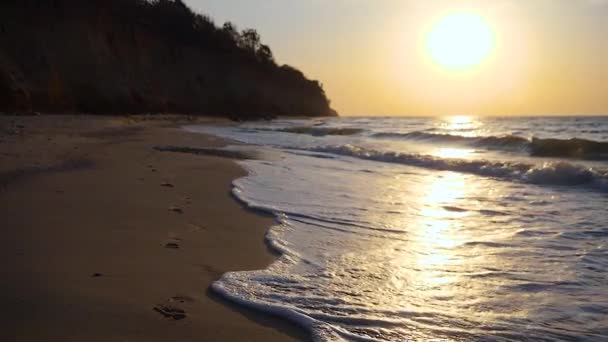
x,y
455,228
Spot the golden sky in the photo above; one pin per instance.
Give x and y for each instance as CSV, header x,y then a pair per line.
x,y
547,56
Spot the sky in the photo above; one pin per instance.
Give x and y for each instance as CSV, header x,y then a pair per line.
x,y
548,57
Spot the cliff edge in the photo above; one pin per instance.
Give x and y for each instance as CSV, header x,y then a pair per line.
x,y
140,56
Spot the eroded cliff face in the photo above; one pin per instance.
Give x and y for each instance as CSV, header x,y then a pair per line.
x,y
92,57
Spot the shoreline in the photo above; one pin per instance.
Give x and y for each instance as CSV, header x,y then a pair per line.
x,y
106,238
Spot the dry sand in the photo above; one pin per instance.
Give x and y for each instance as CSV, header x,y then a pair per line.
x,y
90,246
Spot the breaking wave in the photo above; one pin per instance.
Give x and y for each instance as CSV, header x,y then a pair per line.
x,y
549,173
565,148
321,131
571,148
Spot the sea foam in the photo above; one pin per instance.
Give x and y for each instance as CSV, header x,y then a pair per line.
x,y
551,173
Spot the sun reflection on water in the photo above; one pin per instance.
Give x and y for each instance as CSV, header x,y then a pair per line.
x,y
439,222
460,120
435,236
460,153
464,125
460,125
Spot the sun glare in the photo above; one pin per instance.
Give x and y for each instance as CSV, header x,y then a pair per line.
x,y
453,153
460,40
460,120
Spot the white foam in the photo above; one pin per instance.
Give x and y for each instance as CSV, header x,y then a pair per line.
x,y
552,173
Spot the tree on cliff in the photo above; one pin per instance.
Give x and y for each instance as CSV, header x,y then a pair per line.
x,y
231,31
250,40
264,54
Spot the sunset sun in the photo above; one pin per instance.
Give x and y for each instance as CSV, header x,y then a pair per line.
x,y
460,40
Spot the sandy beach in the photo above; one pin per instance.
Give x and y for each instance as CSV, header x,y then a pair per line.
x,y
105,238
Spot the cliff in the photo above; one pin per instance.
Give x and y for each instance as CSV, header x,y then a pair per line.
x,y
138,56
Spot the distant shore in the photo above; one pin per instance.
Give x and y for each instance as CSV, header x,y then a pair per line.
x,y
106,238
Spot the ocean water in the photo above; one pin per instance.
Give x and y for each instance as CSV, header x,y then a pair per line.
x,y
430,229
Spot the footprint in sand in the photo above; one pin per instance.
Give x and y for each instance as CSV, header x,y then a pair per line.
x,y
172,245
176,210
170,312
173,242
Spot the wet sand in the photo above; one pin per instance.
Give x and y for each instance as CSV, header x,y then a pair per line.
x,y
105,238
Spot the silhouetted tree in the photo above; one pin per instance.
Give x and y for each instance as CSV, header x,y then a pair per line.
x,y
231,30
250,40
264,54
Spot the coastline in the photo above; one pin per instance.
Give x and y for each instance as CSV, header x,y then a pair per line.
x,y
106,238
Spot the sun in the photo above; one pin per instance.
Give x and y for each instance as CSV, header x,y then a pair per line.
x,y
460,40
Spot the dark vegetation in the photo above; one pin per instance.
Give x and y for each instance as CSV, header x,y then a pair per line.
x,y
142,56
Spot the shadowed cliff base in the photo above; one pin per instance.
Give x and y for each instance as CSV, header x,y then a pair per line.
x,y
137,56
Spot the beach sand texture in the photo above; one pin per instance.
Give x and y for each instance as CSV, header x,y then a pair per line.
x,y
105,238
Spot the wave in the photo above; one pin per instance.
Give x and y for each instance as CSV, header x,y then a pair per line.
x,y
571,148
564,148
504,142
549,173
320,131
